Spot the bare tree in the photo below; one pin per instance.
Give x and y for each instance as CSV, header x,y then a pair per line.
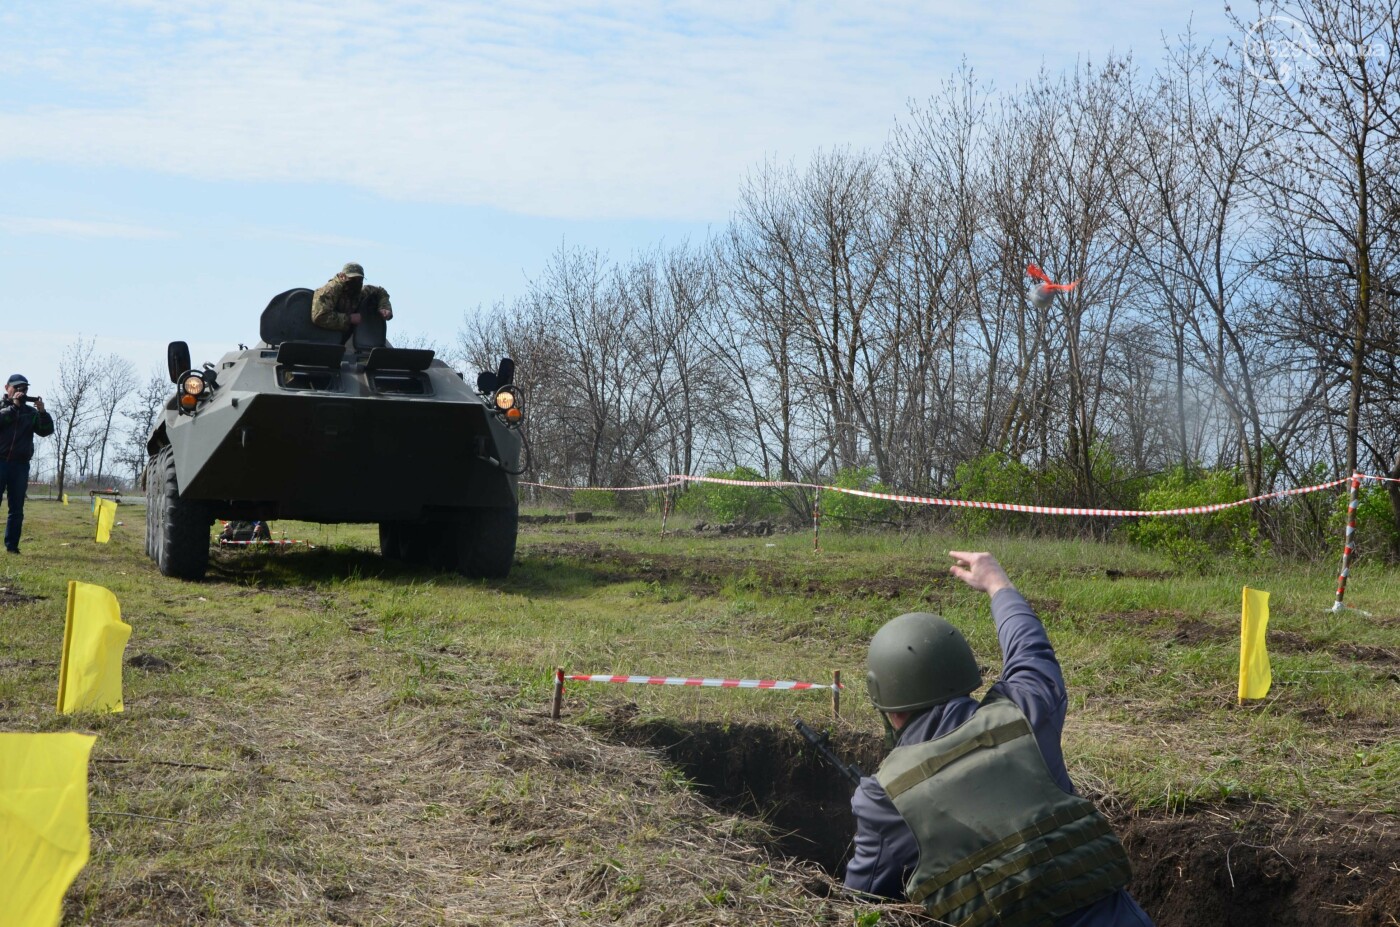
x,y
79,371
1326,77
141,415
115,382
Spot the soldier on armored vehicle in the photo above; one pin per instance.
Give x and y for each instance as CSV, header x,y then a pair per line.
x,y
247,439
345,299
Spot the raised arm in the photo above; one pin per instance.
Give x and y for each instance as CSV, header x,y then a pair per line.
x,y
1031,674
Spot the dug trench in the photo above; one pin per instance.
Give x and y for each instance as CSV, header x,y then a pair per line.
x,y
1234,864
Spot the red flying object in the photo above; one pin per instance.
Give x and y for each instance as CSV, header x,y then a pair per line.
x,y
1043,292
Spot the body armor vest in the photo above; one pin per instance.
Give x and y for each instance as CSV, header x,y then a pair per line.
x,y
999,842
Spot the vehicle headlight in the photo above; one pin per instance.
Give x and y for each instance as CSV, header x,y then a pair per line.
x,y
193,384
505,398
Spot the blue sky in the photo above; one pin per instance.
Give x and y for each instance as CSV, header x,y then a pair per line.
x,y
169,165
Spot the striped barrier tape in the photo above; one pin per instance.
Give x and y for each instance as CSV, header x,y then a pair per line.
x,y
760,484
1034,509
667,485
699,681
678,479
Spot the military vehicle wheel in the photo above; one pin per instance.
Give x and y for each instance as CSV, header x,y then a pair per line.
x,y
177,359
148,484
481,543
177,530
389,540
419,542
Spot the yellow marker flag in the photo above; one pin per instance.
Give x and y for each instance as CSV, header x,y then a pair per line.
x,y
65,498
106,518
95,500
44,819
94,639
1255,677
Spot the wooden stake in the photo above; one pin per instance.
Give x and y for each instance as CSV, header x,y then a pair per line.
x,y
558,692
836,693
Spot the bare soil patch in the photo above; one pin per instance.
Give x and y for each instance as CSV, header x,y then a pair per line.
x,y
11,595
702,574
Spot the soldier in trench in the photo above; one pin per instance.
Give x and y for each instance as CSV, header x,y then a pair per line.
x,y
973,813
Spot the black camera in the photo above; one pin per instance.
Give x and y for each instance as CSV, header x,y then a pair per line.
x,y
22,397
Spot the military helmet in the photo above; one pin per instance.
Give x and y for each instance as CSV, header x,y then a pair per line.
x,y
917,661
353,270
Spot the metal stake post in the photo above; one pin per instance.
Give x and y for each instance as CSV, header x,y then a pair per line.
x,y
558,692
1349,547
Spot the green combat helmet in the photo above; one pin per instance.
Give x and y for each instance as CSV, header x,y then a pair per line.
x,y
918,661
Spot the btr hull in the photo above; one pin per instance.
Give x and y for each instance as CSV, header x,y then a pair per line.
x,y
341,459
309,426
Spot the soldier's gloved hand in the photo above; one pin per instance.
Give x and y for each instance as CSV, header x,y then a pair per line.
x,y
354,318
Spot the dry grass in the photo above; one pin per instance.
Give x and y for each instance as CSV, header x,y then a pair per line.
x,y
322,738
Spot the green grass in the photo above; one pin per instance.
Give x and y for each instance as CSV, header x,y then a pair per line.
x,y
378,745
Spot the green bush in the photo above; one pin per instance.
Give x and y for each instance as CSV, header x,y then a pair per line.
x,y
731,503
997,477
594,500
1193,542
848,511
1375,522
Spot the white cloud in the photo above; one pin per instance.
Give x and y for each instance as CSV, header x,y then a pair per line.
x,y
588,109
77,228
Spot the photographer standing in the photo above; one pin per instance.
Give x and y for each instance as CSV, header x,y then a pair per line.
x,y
21,418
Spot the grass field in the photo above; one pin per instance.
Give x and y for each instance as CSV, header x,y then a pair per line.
x,y
319,736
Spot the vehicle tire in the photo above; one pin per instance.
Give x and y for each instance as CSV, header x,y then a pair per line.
x,y
389,541
177,359
149,483
177,529
483,542
420,542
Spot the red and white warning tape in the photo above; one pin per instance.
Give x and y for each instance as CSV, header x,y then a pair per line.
x,y
768,484
1035,509
666,485
699,681
677,479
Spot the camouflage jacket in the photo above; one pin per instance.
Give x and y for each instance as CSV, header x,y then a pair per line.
x,y
333,303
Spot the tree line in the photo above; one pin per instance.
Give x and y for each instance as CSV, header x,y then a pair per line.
x,y
1233,215
103,415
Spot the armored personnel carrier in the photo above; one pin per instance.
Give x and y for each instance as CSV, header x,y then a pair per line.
x,y
330,426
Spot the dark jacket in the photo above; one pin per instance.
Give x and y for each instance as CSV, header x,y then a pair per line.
x,y
886,851
18,426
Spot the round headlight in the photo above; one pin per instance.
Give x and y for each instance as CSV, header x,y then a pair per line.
x,y
505,398
193,384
